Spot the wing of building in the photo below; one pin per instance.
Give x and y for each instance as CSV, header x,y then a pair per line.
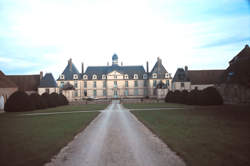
x,y
115,81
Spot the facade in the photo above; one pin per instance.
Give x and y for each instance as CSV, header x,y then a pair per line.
x,y
48,85
185,79
116,81
7,87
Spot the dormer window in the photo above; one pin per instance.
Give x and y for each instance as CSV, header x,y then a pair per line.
x,y
135,76
166,75
125,76
85,77
94,77
75,76
62,76
145,76
154,75
103,77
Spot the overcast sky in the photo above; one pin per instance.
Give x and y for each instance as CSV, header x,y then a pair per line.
x,y
43,35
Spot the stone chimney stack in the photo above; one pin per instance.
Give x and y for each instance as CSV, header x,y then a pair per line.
x,y
147,67
121,63
41,75
107,63
70,64
82,67
186,68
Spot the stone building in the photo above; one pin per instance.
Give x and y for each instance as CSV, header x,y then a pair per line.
x,y
48,85
7,87
185,79
115,81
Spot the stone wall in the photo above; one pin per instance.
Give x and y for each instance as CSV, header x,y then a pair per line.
x,y
234,93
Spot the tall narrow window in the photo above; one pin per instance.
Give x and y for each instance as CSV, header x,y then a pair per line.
x,y
62,84
136,83
47,90
115,84
85,92
126,92
94,93
154,83
76,93
126,84
104,84
145,83
136,92
75,84
104,92
182,84
94,84
85,84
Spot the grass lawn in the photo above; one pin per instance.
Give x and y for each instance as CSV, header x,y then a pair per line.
x,y
33,140
153,105
203,136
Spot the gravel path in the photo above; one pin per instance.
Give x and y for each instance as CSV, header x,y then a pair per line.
x,y
116,138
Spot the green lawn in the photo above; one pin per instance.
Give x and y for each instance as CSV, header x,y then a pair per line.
x,y
153,105
203,136
33,140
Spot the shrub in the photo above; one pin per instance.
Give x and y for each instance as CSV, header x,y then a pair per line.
x,y
19,101
169,96
47,99
210,96
63,100
38,101
54,98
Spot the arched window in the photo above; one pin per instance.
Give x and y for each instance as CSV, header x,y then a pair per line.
x,y
154,75
104,77
94,77
85,77
145,76
75,76
135,76
125,76
62,76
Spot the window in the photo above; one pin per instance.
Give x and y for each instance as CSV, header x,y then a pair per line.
x,y
85,77
154,83
47,90
136,83
94,77
85,92
85,84
136,92
75,84
62,76
145,83
103,77
104,92
104,84
94,84
126,92
126,76
115,76
135,76
75,76
167,82
115,93
62,84
76,93
145,76
145,92
94,93
126,84
154,75
166,75
115,84
182,84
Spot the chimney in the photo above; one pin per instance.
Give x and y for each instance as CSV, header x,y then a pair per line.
x,y
41,75
82,68
70,64
121,63
147,66
107,63
246,46
186,68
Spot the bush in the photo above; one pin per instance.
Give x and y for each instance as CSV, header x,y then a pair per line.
x,y
54,98
19,101
46,97
38,101
208,96
63,100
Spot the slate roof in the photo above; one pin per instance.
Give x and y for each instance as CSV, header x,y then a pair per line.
x,y
180,76
69,71
238,71
159,69
5,82
26,82
47,81
100,70
201,77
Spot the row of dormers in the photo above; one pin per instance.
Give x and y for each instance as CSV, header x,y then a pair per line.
x,y
94,76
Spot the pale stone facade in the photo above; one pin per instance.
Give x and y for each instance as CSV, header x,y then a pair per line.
x,y
113,81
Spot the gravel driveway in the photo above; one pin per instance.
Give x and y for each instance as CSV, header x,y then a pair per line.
x,y
116,138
